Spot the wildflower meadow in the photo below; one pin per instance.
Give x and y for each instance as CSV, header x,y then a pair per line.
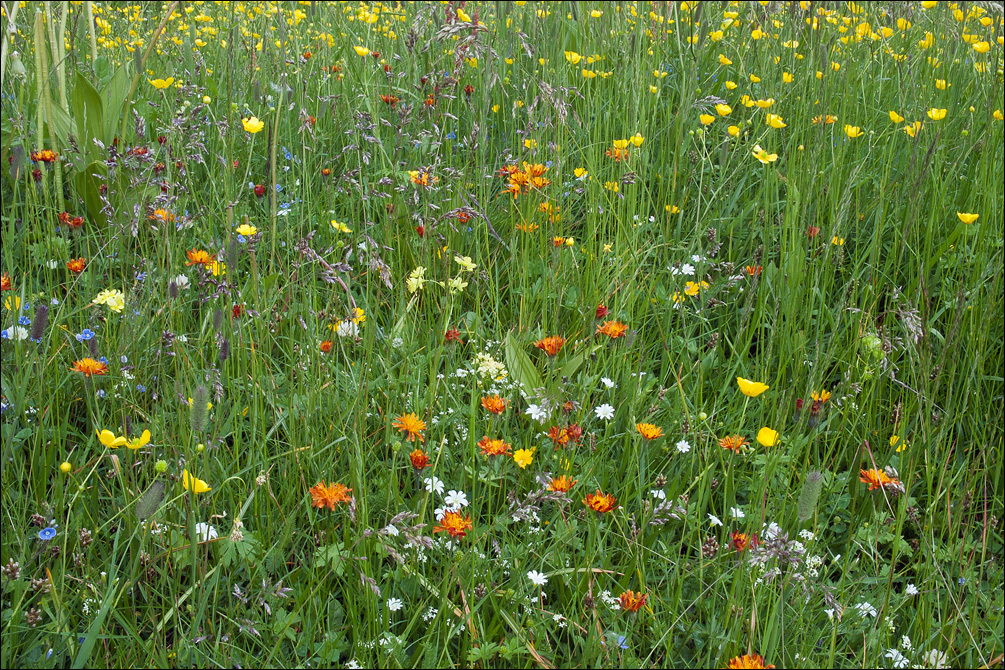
x,y
480,334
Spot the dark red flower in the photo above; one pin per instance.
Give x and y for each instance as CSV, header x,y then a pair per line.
x,y
237,311
421,230
453,335
260,190
602,311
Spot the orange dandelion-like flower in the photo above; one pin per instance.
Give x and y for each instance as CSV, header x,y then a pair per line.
x,y
561,484
44,156
76,266
329,496
199,257
742,541
494,404
420,459
648,430
5,282
812,231
753,270
389,99
600,501
632,601
733,442
559,436
411,424
455,524
89,366
877,479
326,346
527,227
325,172
550,345
76,222
491,447
162,215
452,335
612,329
617,154
748,661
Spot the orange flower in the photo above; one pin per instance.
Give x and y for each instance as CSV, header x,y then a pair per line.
x,y
326,346
748,661
560,436
617,154
550,345
76,266
5,283
389,99
733,442
199,257
455,524
753,270
742,541
161,215
561,484
494,404
44,156
452,335
632,601
330,495
89,366
612,329
325,172
600,502
877,479
648,430
411,424
420,459
492,447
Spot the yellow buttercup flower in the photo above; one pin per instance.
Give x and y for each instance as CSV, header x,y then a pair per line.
x,y
706,119
725,61
733,130
194,483
108,438
912,128
637,140
723,109
895,117
253,125
763,156
967,218
524,457
141,441
936,114
775,121
246,230
982,47
361,51
749,388
767,437
161,83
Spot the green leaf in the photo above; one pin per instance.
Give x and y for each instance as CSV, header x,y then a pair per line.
x,y
89,188
88,112
331,555
520,366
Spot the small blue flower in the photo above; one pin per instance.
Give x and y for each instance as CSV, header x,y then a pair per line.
x,y
85,335
963,580
123,359
241,239
23,321
4,334
622,642
47,534
103,360
141,388
451,135
279,187
100,393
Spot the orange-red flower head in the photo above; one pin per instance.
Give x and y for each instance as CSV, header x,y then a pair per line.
x,y
329,496
199,257
550,345
632,601
742,541
600,501
561,484
89,366
494,404
612,329
77,265
877,479
752,661
455,524
733,442
411,424
420,459
492,447
648,430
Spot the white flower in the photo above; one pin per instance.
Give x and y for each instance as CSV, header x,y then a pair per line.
x,y
935,659
714,520
866,609
391,531
897,659
397,342
736,512
905,643
659,494
455,500
537,578
52,264
347,329
807,535
683,446
538,413
205,532
607,382
911,590
18,333
438,513
697,258
182,282
394,604
838,612
685,269
605,412
430,614
433,485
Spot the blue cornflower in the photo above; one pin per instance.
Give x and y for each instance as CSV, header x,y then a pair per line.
x,y
47,533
